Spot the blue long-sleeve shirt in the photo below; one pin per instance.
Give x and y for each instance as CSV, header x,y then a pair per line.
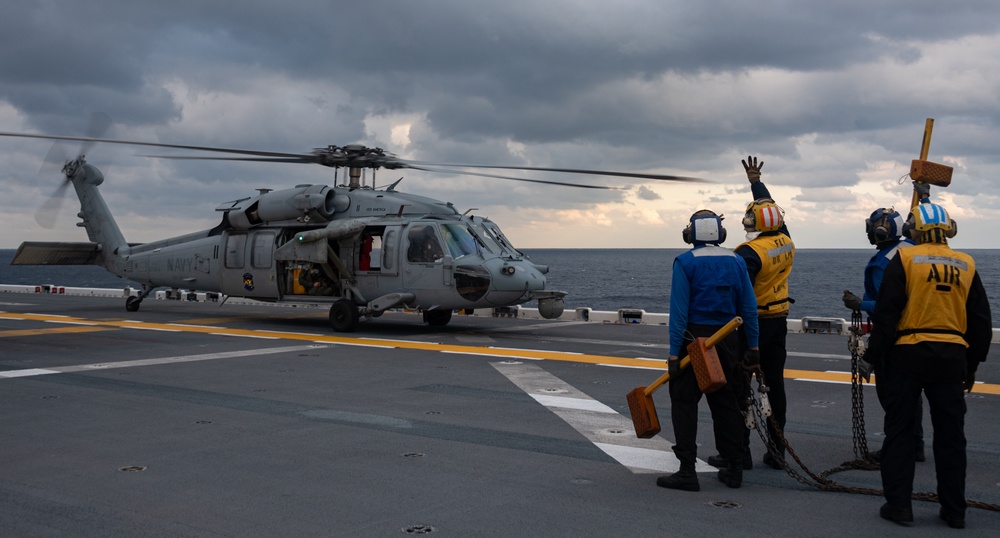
x,y
874,271
876,268
710,286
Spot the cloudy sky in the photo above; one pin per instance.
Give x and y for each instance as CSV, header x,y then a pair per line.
x,y
832,96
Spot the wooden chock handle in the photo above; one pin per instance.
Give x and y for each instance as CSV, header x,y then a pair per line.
x,y
925,149
665,377
723,332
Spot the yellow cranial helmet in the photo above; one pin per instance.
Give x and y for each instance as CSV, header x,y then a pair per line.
x,y
929,216
925,218
763,215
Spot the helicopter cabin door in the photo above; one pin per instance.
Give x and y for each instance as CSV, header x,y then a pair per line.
x,y
426,263
248,268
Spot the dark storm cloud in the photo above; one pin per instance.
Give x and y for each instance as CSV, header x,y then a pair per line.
x,y
672,86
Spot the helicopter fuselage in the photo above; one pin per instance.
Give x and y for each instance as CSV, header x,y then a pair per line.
x,y
359,249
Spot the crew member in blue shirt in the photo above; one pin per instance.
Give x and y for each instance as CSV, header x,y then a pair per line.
x,y
709,287
885,230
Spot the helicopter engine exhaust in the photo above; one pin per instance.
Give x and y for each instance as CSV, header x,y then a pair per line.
x,y
304,203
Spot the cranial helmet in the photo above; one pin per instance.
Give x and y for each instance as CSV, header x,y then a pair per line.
x,y
884,224
925,218
704,227
763,215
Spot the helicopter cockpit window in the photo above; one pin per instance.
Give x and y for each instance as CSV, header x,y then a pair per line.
x,y
424,244
458,239
493,231
485,239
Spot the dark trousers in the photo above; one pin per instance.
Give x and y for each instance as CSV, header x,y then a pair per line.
x,y
727,422
882,376
773,333
947,407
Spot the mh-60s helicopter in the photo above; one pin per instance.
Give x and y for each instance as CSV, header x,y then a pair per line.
x,y
359,249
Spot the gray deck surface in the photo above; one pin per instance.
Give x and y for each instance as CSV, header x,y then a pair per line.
x,y
194,419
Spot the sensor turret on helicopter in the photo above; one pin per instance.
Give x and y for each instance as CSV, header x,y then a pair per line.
x,y
359,249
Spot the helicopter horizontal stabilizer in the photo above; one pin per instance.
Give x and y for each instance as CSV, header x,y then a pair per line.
x,y
56,253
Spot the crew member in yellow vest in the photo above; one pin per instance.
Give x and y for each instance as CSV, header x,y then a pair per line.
x,y
769,254
932,328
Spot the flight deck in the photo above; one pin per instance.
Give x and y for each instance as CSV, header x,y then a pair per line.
x,y
201,419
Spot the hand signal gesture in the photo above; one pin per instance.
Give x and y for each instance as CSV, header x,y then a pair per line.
x,y
753,168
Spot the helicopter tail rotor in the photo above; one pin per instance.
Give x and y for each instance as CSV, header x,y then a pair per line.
x,y
57,160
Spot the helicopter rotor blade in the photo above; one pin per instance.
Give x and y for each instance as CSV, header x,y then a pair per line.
x,y
481,174
661,177
100,122
356,156
52,164
293,160
48,212
426,169
158,145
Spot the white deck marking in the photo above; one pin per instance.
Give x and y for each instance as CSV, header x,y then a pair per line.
x,y
26,373
153,362
610,431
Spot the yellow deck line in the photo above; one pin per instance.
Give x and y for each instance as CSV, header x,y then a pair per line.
x,y
55,330
841,377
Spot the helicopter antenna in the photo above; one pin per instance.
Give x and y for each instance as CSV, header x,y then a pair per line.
x,y
393,185
470,210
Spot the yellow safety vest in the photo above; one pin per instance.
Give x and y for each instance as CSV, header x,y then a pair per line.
x,y
937,287
776,253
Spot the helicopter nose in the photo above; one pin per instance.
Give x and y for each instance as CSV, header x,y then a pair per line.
x,y
516,276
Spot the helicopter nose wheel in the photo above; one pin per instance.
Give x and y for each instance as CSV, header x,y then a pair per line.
x,y
132,304
344,316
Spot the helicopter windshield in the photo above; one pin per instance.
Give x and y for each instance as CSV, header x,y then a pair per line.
x,y
494,233
459,240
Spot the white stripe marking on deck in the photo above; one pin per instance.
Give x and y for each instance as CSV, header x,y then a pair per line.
x,y
152,362
611,432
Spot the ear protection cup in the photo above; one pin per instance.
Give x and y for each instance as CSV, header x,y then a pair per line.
x,y
704,226
884,224
909,230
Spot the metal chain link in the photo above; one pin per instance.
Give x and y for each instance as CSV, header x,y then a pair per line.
x,y
863,459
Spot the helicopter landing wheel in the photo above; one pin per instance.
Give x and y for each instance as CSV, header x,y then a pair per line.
x,y
437,318
344,316
132,304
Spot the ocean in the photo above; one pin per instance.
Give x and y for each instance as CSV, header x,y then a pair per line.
x,y
611,279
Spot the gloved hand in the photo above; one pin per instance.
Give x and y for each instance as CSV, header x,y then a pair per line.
x,y
674,367
751,358
852,301
865,370
752,168
970,381
923,189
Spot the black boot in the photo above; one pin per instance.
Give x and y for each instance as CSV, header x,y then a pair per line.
x,y
686,479
732,476
719,462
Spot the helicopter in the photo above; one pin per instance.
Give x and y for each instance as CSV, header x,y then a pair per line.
x,y
359,249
